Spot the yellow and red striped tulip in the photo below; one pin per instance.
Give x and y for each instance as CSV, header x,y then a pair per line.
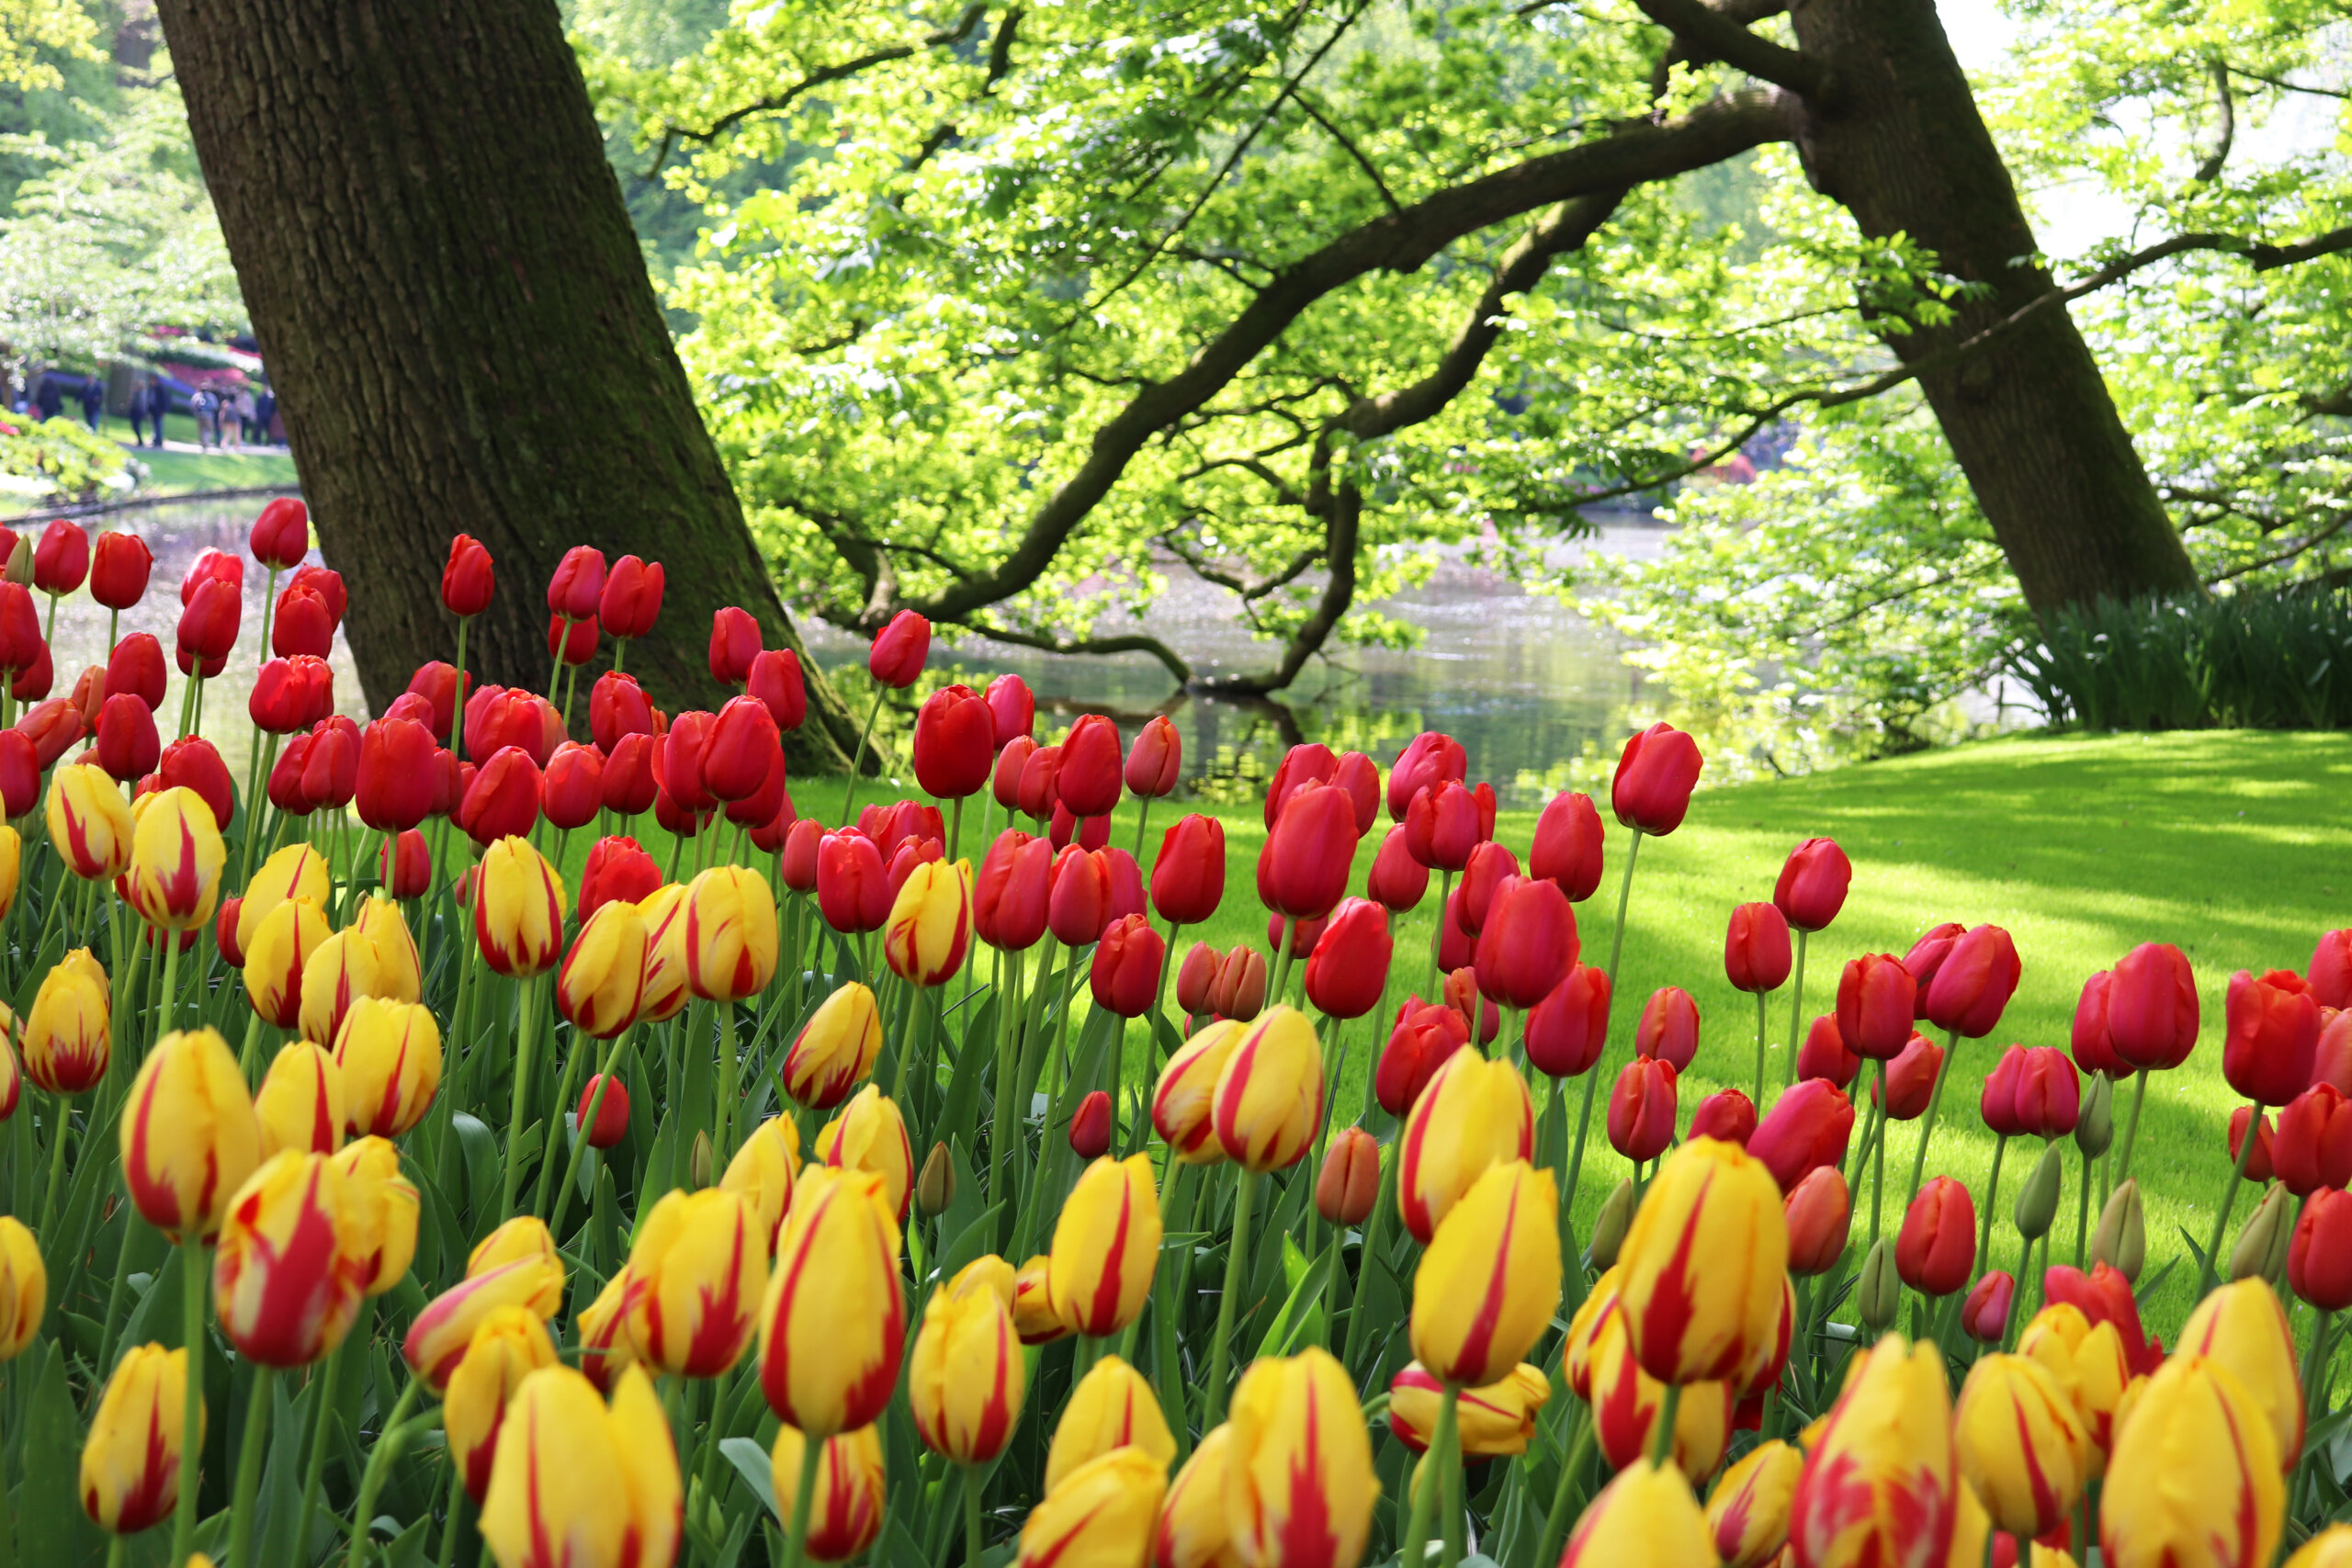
x,y
1106,1246
664,910
1705,1264
1880,1482
438,1339
188,1136
930,925
1972,1530
1183,1102
507,1346
1647,1515
301,1103
605,1349
12,860
1268,1098
298,874
968,1379
69,1035
1034,1314
832,1328
518,910
339,971
12,1075
2020,1445
1627,1402
2088,1363
573,1484
1497,1419
390,1055
762,1172
1102,1516
524,1236
88,823
1584,1329
870,1134
601,987
1111,1408
835,1049
176,860
24,1287
1487,1286
1472,1115
705,1268
729,935
1749,1512
2195,1477
1299,1480
399,973
283,942
380,1211
845,1509
288,1282
2241,1327
130,1460
2332,1548
1194,1530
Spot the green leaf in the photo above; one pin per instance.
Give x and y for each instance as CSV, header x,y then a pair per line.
x,y
50,1526
751,1462
479,1147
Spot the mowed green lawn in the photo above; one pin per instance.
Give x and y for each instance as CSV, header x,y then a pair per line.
x,y
2234,846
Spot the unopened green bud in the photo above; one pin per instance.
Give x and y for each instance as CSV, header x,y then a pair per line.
x,y
20,568
698,1163
2095,1127
1879,1293
2122,1240
935,1188
1609,1228
2261,1251
2038,1199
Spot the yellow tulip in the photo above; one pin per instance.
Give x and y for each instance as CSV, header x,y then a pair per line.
x,y
288,1278
1034,1317
1705,1264
518,910
24,1287
602,983
665,993
12,856
1627,1402
1495,1420
400,974
1487,1286
2241,1327
605,1349
929,924
438,1339
1645,1516
88,823
1102,1515
301,1104
729,935
1269,1097
390,1055
1111,1408
1749,1512
188,1136
297,873
1584,1327
2020,1445
835,1049
1183,1102
1474,1114
176,860
870,1136
1301,1462
1193,1531
2332,1548
130,1460
967,1377
68,1036
761,1173
832,1328
1106,1246
705,1269
508,1346
575,1484
380,1211
2089,1363
1880,1481
283,943
1972,1529
524,1236
2195,1478
339,971
12,1075
845,1506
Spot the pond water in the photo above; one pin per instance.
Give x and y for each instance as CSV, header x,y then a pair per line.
x,y
1526,685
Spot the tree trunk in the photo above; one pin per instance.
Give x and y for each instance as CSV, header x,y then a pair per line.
x,y
2028,416
461,332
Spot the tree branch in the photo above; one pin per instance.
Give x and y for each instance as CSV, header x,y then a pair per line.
x,y
1306,102
2225,131
945,38
1720,37
1136,642
2289,86
1307,640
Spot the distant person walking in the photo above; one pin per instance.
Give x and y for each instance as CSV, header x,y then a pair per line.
x,y
159,404
265,410
93,400
137,409
245,416
206,406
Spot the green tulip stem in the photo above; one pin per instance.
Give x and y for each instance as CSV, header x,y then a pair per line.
x,y
1143,820
1417,1529
61,1118
1236,1279
1991,1193
1437,938
1878,1158
1555,1522
1375,1241
2083,1212
1450,1472
1759,1053
321,1421
796,1546
2211,1274
240,1503
192,1280
525,994
974,1538
1796,1016
1927,1123
458,697
2131,1131
1625,896
1662,1434
849,813
1283,961
1583,1127
580,1143
389,1439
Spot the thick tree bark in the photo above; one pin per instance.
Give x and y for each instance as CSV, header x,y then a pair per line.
x,y
1900,144
461,332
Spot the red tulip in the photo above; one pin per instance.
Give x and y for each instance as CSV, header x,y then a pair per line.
x,y
1455,947
503,800
611,1123
910,854
2035,1093
394,779
1077,900
1654,778
1728,1114
2104,1296
1490,863
1011,707
32,683
801,846
436,682
20,772
2313,1147
758,810
1298,937
1928,955
1528,941
890,823
1035,793
136,668
1910,1079
852,886
1088,782
1303,869
1566,1031
89,692
1567,847
2331,972
616,869
1985,1315
1424,1037
1360,776
678,764
618,705
193,762
2262,1164
119,565
574,642
631,599
734,643
301,624
327,585
467,578
1241,988
768,837
1823,1055
629,783
954,744
1820,1210
2318,1258
212,566
1348,970
574,786
410,875
1195,978
1428,759
1974,983
900,649
1156,759
450,780
741,746
1125,975
1875,1000
207,628
1937,1247
1813,882
1090,1126
2271,1031
126,743
1309,762
1188,876
1756,949
1397,881
2332,1061
1441,826
775,680
1668,1029
1010,893
1641,1109
2093,1049
578,584
61,560
1806,1129
286,777
20,640
416,709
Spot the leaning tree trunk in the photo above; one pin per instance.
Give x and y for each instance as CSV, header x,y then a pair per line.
x,y
461,332
2028,415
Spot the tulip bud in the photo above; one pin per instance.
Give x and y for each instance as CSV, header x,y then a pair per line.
x,y
1181,1102
291,1274
1728,1115
1712,1214
1880,1293
1241,988
68,1035
1503,1237
131,1459
1820,1210
2243,1328
1474,1115
1985,1315
935,1188
2020,1445
1668,1029
703,1268
2095,1128
835,1049
2037,1206
1349,1183
1300,1468
870,1134
1112,1406
2121,1239
188,1135
699,1162
1269,1096
899,650
1609,1226
389,1057
2262,1246
846,1505
2319,1260
510,1345
1653,780
567,1469
1748,1511
1648,1515
301,1103
1641,1109
24,1288
1104,1511
2195,1475
1806,1131
380,1213
88,823
833,1327
1106,1246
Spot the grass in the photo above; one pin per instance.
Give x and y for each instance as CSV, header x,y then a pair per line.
x,y
186,473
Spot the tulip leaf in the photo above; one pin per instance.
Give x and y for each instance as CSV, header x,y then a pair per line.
x,y
661,1163
959,1113
162,1295
2141,1296
281,1480
479,1149
751,1462
964,1208
899,1548
972,1241
50,1526
1301,1277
